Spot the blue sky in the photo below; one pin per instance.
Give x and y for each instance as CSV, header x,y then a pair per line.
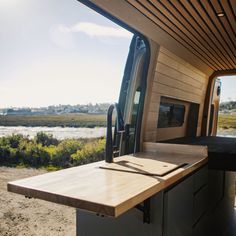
x,y
58,52
61,52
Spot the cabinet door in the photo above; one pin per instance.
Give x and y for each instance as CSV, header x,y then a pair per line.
x,y
178,209
128,224
216,187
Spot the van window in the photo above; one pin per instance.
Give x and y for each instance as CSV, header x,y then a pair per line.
x,y
170,115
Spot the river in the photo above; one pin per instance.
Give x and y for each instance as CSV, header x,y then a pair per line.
x,y
68,132
57,132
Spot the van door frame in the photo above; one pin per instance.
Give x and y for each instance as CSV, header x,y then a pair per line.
x,y
145,68
129,80
208,97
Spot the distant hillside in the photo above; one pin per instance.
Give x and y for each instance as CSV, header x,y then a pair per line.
x,y
225,106
98,108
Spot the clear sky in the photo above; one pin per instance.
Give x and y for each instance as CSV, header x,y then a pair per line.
x,y
61,52
58,52
228,88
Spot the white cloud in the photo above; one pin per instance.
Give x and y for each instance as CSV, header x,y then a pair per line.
x,y
95,30
61,38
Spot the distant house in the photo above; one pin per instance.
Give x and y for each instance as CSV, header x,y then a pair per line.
x,y
22,111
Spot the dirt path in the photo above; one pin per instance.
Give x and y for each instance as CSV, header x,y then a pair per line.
x,y
29,217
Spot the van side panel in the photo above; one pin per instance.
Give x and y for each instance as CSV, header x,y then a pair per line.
x,y
174,78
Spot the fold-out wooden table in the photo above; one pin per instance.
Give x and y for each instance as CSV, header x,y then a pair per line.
x,y
112,189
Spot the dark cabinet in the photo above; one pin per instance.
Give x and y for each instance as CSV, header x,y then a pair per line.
x,y
186,205
200,205
130,223
216,187
178,209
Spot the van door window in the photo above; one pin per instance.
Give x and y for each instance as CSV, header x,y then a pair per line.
x,y
132,93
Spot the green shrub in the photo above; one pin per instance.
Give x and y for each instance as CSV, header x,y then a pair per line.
x,y
15,140
35,155
4,154
91,152
45,139
46,151
63,152
4,142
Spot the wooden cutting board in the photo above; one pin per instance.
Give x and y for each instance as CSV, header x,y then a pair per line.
x,y
145,166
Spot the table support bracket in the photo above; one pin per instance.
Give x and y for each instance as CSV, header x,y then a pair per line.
x,y
145,209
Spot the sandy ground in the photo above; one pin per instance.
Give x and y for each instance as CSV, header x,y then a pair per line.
x,y
29,217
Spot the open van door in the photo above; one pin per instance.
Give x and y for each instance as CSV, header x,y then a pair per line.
x,y
215,106
132,94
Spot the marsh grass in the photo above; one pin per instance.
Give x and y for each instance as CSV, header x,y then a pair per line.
x,y
65,120
227,121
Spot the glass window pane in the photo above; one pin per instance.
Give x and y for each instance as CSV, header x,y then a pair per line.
x,y
171,115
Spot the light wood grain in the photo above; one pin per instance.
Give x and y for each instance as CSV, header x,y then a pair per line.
x,y
103,191
167,26
175,149
140,165
184,63
196,26
177,79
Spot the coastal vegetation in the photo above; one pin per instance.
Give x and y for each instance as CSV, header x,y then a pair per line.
x,y
46,151
227,121
62,120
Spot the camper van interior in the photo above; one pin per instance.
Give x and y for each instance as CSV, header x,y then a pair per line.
x,y
166,172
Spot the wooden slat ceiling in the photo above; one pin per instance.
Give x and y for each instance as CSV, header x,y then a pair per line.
x,y
196,24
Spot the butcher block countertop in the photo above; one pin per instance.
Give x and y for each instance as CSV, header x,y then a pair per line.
x,y
221,150
112,189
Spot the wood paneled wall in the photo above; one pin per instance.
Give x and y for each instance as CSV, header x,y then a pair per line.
x,y
173,78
